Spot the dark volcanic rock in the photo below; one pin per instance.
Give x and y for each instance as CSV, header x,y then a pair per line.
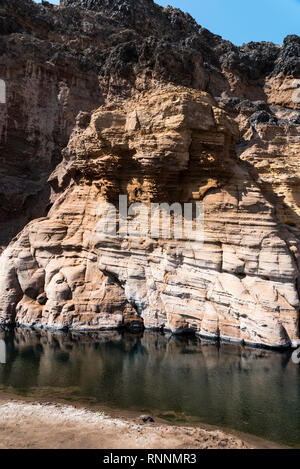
x,y
254,59
71,67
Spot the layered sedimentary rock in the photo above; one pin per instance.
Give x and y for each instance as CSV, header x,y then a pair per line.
x,y
57,61
173,145
238,282
270,142
42,101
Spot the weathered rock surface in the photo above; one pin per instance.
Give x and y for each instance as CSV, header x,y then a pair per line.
x,y
168,145
270,142
174,144
57,61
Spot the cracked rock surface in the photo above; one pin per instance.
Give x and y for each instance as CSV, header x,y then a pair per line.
x,y
173,144
156,107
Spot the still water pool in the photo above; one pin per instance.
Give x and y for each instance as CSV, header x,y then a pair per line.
x,y
182,379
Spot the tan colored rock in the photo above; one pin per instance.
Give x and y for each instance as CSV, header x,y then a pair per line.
x,y
59,60
283,91
274,150
170,145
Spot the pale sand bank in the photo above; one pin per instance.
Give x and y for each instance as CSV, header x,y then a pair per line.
x,y
57,426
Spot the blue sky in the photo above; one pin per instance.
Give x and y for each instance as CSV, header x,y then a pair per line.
x,y
243,20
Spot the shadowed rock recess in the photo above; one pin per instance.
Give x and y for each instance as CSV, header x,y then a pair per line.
x,y
158,108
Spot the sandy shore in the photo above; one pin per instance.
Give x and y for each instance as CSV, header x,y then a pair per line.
x,y
56,426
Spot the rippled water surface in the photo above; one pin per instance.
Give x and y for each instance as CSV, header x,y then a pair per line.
x,y
249,390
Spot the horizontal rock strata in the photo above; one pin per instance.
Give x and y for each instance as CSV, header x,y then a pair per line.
x,y
57,61
154,141
172,145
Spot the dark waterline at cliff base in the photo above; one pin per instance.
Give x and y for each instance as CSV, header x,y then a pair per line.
x,y
176,378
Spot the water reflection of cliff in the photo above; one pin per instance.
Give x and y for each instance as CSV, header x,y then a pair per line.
x,y
224,384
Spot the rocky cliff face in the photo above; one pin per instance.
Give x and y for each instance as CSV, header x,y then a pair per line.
x,y
57,61
155,141
170,145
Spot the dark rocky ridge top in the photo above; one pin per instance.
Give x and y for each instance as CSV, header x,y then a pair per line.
x,y
127,34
